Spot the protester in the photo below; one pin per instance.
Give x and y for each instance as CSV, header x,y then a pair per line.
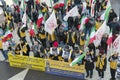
x,y
42,36
113,65
21,32
71,38
101,63
89,64
5,49
36,49
55,51
22,48
76,53
66,53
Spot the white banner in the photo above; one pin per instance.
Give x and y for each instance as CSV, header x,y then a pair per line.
x,y
72,13
116,45
51,23
99,34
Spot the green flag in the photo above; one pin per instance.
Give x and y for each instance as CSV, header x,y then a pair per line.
x,y
15,1
22,5
79,58
75,61
107,13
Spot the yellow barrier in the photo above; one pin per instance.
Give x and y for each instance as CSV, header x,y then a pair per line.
x,y
39,63
65,66
26,62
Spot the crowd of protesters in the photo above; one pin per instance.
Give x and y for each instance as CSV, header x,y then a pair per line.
x,y
67,42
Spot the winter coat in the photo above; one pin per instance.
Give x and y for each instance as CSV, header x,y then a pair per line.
x,y
89,62
113,62
101,63
112,16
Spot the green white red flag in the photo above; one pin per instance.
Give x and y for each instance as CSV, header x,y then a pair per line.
x,y
92,35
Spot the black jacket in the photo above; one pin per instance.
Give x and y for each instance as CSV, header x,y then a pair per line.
x,y
89,62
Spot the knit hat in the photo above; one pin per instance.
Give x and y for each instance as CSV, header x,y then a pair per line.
x,y
55,44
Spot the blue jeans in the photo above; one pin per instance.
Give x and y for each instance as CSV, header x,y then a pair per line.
x,y
5,54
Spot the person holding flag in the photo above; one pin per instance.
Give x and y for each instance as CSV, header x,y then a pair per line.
x,y
76,53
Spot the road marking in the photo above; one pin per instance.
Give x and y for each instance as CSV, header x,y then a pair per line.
x,y
19,76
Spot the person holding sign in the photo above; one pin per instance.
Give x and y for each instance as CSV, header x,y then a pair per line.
x,y
113,65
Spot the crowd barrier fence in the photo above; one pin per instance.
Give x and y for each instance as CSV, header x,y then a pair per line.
x,y
47,65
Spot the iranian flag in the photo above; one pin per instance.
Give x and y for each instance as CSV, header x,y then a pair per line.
x,y
40,19
109,40
29,22
90,2
51,23
59,4
82,21
8,35
33,30
105,15
116,44
100,32
92,35
72,13
34,27
93,8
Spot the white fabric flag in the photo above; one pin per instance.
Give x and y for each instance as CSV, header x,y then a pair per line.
x,y
1,3
24,19
84,7
116,45
9,2
99,34
51,23
72,13
1,11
